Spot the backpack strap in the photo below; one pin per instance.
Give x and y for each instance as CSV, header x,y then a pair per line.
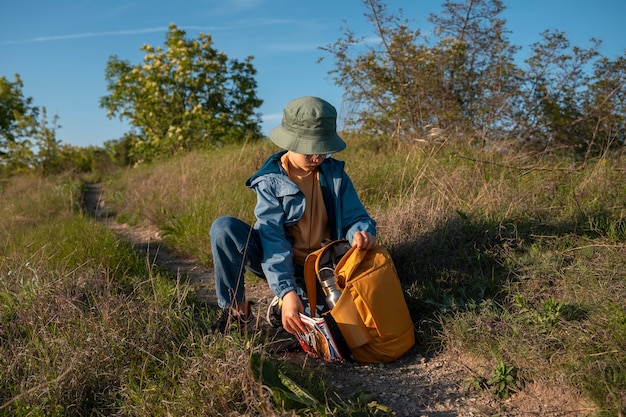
x,y
310,280
311,269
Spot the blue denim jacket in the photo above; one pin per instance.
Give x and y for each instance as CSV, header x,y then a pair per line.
x,y
280,204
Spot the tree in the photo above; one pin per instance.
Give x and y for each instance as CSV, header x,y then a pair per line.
x,y
185,96
479,74
378,77
465,83
48,157
405,86
556,86
18,121
605,106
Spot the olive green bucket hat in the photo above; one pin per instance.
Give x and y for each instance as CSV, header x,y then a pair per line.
x,y
309,127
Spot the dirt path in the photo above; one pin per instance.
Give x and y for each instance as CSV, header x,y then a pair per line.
x,y
413,386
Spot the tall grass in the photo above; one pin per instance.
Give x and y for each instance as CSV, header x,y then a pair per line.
x,y
182,196
516,257
87,327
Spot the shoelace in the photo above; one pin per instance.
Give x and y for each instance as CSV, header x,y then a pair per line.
x,y
245,316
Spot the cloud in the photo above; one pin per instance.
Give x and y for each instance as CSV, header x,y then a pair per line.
x,y
163,29
84,35
272,117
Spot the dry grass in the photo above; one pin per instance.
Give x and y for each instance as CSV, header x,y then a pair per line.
x,y
509,257
87,327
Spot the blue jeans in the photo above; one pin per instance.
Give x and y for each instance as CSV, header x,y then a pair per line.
x,y
236,247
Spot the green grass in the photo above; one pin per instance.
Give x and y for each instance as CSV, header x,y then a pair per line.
x,y
88,327
515,258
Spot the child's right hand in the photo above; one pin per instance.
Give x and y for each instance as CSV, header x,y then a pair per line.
x,y
291,309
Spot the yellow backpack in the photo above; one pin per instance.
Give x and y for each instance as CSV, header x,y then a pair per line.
x,y
371,312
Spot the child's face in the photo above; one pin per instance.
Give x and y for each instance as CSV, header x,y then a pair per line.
x,y
305,164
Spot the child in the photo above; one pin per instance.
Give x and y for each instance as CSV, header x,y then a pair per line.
x,y
304,197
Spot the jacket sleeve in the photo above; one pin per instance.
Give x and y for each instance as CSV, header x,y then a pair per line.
x,y
277,262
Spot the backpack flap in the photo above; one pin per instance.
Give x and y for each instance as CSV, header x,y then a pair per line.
x,y
377,293
376,322
350,323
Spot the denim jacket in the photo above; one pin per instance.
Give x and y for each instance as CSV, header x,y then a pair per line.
x,y
280,204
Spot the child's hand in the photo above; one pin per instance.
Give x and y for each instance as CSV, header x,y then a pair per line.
x,y
364,240
291,309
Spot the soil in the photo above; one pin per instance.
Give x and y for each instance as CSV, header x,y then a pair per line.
x,y
417,385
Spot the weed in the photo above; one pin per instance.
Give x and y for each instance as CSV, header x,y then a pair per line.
x,y
475,383
289,394
503,380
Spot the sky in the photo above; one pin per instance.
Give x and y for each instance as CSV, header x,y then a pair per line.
x,y
60,47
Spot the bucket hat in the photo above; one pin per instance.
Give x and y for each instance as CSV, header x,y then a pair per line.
x,y
309,126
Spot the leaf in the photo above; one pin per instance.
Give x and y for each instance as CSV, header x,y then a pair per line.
x,y
281,385
301,395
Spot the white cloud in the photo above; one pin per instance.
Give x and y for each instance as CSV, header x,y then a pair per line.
x,y
85,35
273,117
124,32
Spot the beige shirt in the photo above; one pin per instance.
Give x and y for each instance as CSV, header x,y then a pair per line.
x,y
312,229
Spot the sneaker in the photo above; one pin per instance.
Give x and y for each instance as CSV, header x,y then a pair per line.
x,y
274,313
232,319
279,339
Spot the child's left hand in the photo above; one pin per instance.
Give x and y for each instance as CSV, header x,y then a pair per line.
x,y
364,240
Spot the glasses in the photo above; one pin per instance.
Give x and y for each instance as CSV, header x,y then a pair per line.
x,y
316,156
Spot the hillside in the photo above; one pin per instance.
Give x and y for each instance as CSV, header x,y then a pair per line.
x,y
413,385
512,266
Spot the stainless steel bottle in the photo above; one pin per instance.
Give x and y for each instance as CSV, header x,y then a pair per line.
x,y
329,285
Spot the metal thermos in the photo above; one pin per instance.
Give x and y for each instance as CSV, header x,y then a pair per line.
x,y
333,293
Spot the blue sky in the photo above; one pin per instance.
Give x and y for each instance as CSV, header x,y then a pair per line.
x,y
60,48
